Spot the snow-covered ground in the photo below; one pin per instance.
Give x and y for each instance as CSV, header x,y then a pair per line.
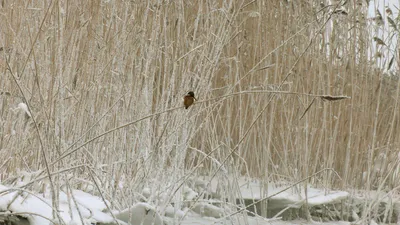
x,y
285,195
85,208
38,208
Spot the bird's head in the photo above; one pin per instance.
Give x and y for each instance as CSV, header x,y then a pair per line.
x,y
191,94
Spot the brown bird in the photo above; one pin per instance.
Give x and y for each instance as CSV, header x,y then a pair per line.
x,y
189,99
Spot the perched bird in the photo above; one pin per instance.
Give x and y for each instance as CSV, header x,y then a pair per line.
x,y
189,99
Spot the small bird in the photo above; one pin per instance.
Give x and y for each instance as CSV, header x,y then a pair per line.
x,y
189,99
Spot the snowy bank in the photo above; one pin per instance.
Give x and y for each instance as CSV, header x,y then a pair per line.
x,y
38,209
284,195
80,207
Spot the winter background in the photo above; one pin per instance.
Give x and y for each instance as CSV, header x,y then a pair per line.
x,y
296,122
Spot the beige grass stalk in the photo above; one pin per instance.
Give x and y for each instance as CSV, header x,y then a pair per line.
x,y
42,148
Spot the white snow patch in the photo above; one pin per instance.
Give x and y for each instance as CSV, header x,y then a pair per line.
x,y
146,192
189,194
24,108
293,197
208,210
89,206
170,211
89,201
141,213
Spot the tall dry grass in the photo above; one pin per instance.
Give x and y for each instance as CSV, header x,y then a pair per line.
x,y
104,82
